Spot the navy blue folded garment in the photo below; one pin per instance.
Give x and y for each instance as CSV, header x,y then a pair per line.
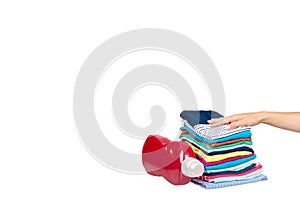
x,y
252,166
243,148
199,116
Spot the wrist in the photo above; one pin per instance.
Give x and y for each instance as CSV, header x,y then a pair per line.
x,y
262,117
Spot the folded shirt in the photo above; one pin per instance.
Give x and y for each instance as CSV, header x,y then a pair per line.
x,y
209,185
197,121
199,116
208,147
217,152
236,178
212,158
245,174
244,134
220,161
205,130
222,143
230,163
217,132
244,169
232,168
211,152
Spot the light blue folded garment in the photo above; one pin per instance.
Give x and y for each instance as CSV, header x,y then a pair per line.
x,y
208,185
243,134
230,163
236,178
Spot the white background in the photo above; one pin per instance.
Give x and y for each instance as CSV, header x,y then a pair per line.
x,y
255,46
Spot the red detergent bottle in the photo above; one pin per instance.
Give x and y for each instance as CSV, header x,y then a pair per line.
x,y
173,160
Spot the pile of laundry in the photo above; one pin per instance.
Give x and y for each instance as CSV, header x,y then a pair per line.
x,y
227,155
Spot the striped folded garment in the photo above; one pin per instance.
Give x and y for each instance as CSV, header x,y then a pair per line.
x,y
205,130
243,134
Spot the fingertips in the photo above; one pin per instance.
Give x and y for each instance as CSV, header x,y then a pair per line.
x,y
233,125
217,123
215,120
210,121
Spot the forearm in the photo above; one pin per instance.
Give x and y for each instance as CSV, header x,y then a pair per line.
x,y
284,120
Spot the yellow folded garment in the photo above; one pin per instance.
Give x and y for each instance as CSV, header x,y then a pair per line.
x,y
218,157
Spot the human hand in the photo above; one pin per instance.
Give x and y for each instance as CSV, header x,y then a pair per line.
x,y
234,121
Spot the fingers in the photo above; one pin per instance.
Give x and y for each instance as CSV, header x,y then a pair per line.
x,y
230,124
233,125
220,121
216,121
233,121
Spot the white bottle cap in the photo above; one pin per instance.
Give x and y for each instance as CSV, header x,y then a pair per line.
x,y
191,167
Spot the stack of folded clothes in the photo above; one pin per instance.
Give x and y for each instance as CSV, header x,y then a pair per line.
x,y
227,155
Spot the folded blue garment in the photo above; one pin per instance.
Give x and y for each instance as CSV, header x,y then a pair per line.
x,y
230,163
243,134
208,185
252,166
199,116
